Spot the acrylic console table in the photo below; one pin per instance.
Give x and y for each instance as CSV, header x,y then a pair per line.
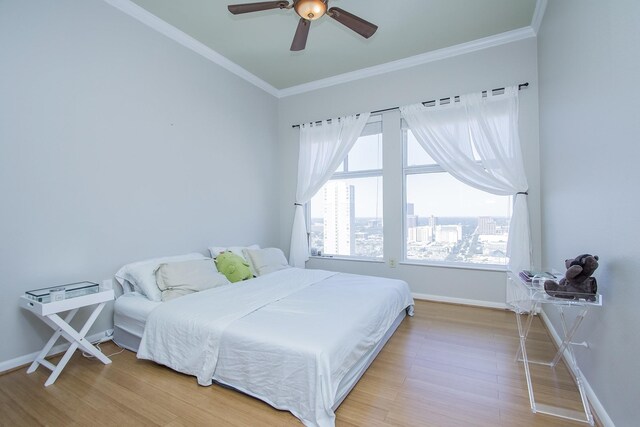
x,y
48,311
525,299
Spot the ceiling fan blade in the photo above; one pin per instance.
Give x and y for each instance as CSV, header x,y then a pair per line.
x,y
300,38
365,28
255,7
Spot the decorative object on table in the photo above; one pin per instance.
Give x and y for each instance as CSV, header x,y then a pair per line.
x,y
577,282
57,294
528,275
233,266
539,280
62,292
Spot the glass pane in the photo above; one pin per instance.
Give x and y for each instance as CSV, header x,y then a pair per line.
x,y
366,153
416,156
449,221
346,218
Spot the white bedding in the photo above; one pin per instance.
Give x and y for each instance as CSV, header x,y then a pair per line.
x,y
288,337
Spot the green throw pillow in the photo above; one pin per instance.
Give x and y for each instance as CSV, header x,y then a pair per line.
x,y
233,266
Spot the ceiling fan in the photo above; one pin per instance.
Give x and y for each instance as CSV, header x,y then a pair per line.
x,y
309,10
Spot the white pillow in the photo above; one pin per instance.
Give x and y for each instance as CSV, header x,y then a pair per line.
x,y
238,250
176,279
265,261
141,274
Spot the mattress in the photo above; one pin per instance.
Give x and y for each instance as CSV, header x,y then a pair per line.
x,y
130,314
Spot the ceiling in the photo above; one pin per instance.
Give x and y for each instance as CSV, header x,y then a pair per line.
x,y
259,42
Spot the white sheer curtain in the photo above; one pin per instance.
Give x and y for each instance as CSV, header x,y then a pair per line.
x,y
476,140
323,146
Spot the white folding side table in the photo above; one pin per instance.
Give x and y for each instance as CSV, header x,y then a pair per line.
x,y
48,312
524,298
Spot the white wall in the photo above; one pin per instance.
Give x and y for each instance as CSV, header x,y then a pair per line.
x,y
490,68
117,144
589,125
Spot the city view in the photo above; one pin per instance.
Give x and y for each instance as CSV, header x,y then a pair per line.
x,y
479,239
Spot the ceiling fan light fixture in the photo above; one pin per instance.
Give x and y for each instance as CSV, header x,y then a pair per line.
x,y
310,9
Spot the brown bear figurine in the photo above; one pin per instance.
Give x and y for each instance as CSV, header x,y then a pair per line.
x,y
577,282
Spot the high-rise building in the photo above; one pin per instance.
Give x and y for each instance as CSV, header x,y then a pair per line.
x,y
486,225
424,234
448,233
412,219
339,218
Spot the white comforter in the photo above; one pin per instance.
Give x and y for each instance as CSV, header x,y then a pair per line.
x,y
288,337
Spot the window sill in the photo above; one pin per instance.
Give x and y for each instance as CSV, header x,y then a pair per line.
x,y
343,258
473,267
460,266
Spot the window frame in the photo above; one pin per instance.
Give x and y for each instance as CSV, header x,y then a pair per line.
x,y
420,170
346,174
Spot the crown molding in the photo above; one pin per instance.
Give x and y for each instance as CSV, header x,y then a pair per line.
x,y
189,42
538,14
147,18
436,55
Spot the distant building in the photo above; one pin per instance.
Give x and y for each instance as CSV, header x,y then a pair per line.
x,y
412,219
448,233
411,234
374,223
486,225
339,218
493,245
422,234
432,221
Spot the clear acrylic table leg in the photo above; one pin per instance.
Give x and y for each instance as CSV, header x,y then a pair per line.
x,y
523,332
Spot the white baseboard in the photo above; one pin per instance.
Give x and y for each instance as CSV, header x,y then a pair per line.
x,y
28,358
462,301
597,407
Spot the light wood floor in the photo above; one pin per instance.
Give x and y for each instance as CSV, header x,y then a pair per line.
x,y
449,365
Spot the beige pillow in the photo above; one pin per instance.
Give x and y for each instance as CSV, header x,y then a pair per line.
x,y
176,279
267,260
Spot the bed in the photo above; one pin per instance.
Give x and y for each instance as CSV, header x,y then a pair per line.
x,y
296,339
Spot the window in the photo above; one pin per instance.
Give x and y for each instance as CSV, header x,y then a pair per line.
x,y
439,220
345,216
447,221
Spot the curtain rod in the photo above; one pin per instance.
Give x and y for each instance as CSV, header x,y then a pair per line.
x,y
433,101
